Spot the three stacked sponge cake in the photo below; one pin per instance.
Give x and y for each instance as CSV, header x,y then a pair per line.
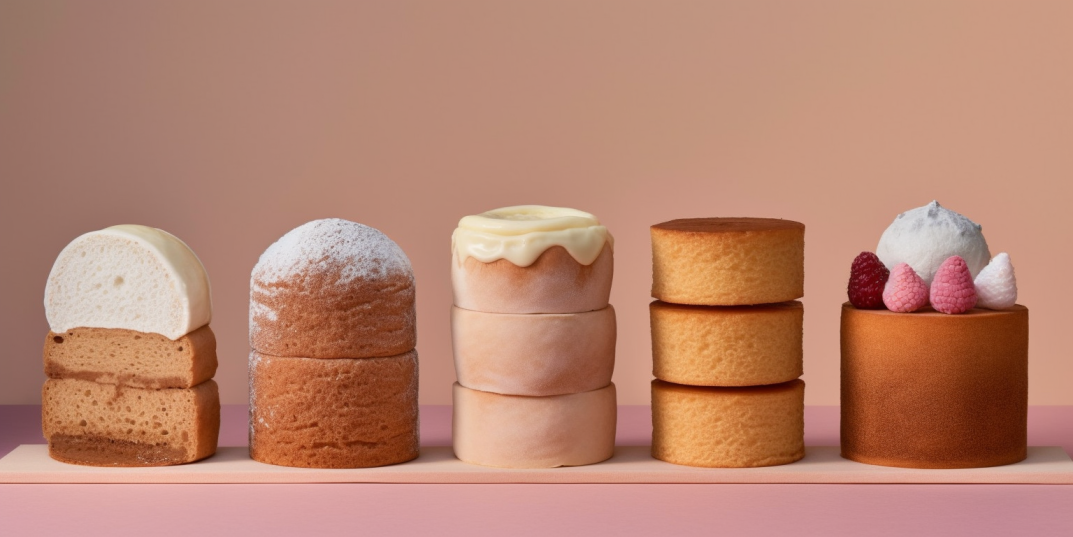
x,y
727,342
333,365
130,355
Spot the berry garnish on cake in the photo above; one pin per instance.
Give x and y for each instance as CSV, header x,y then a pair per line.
x,y
952,290
905,291
932,255
867,278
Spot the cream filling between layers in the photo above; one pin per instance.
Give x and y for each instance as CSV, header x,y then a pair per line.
x,y
522,233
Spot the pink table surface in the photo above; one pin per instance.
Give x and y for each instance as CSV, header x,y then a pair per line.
x,y
518,510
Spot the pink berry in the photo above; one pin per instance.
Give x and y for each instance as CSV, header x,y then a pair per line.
x,y
905,290
952,290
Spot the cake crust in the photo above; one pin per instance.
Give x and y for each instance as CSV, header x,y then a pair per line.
x,y
130,358
728,427
728,261
340,413
931,390
554,283
726,345
535,354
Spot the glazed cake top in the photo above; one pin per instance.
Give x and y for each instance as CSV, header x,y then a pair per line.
x,y
520,234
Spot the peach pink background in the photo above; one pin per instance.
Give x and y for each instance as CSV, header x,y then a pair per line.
x,y
229,123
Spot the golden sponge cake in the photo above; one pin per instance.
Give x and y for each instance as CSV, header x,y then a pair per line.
x,y
726,346
728,261
728,427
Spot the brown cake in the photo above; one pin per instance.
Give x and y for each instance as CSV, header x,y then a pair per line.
x,y
130,354
98,424
333,372
728,427
333,289
726,346
934,349
338,413
931,390
728,261
137,359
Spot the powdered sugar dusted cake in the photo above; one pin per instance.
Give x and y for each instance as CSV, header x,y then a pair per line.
x,y
934,349
333,371
333,289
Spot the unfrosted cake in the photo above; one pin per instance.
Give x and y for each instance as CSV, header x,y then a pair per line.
x,y
727,341
934,349
130,355
333,370
534,338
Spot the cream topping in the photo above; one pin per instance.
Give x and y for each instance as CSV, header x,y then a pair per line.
x,y
87,265
520,234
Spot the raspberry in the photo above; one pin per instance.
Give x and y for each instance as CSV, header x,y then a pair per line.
x,y
867,277
905,290
952,290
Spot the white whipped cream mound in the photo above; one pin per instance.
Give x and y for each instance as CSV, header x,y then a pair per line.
x,y
926,236
131,277
996,286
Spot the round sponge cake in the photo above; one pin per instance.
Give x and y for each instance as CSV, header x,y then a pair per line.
x,y
513,431
333,289
728,427
554,283
727,345
535,354
728,261
341,413
931,390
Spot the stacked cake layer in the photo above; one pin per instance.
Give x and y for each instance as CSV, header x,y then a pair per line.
x,y
727,342
130,355
333,370
534,338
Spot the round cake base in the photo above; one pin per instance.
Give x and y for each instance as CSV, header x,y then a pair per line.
x,y
930,390
726,345
514,431
534,354
728,427
333,413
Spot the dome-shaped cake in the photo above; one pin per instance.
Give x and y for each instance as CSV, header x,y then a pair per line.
x,y
333,289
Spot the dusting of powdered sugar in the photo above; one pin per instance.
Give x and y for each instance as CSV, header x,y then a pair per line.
x,y
357,251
